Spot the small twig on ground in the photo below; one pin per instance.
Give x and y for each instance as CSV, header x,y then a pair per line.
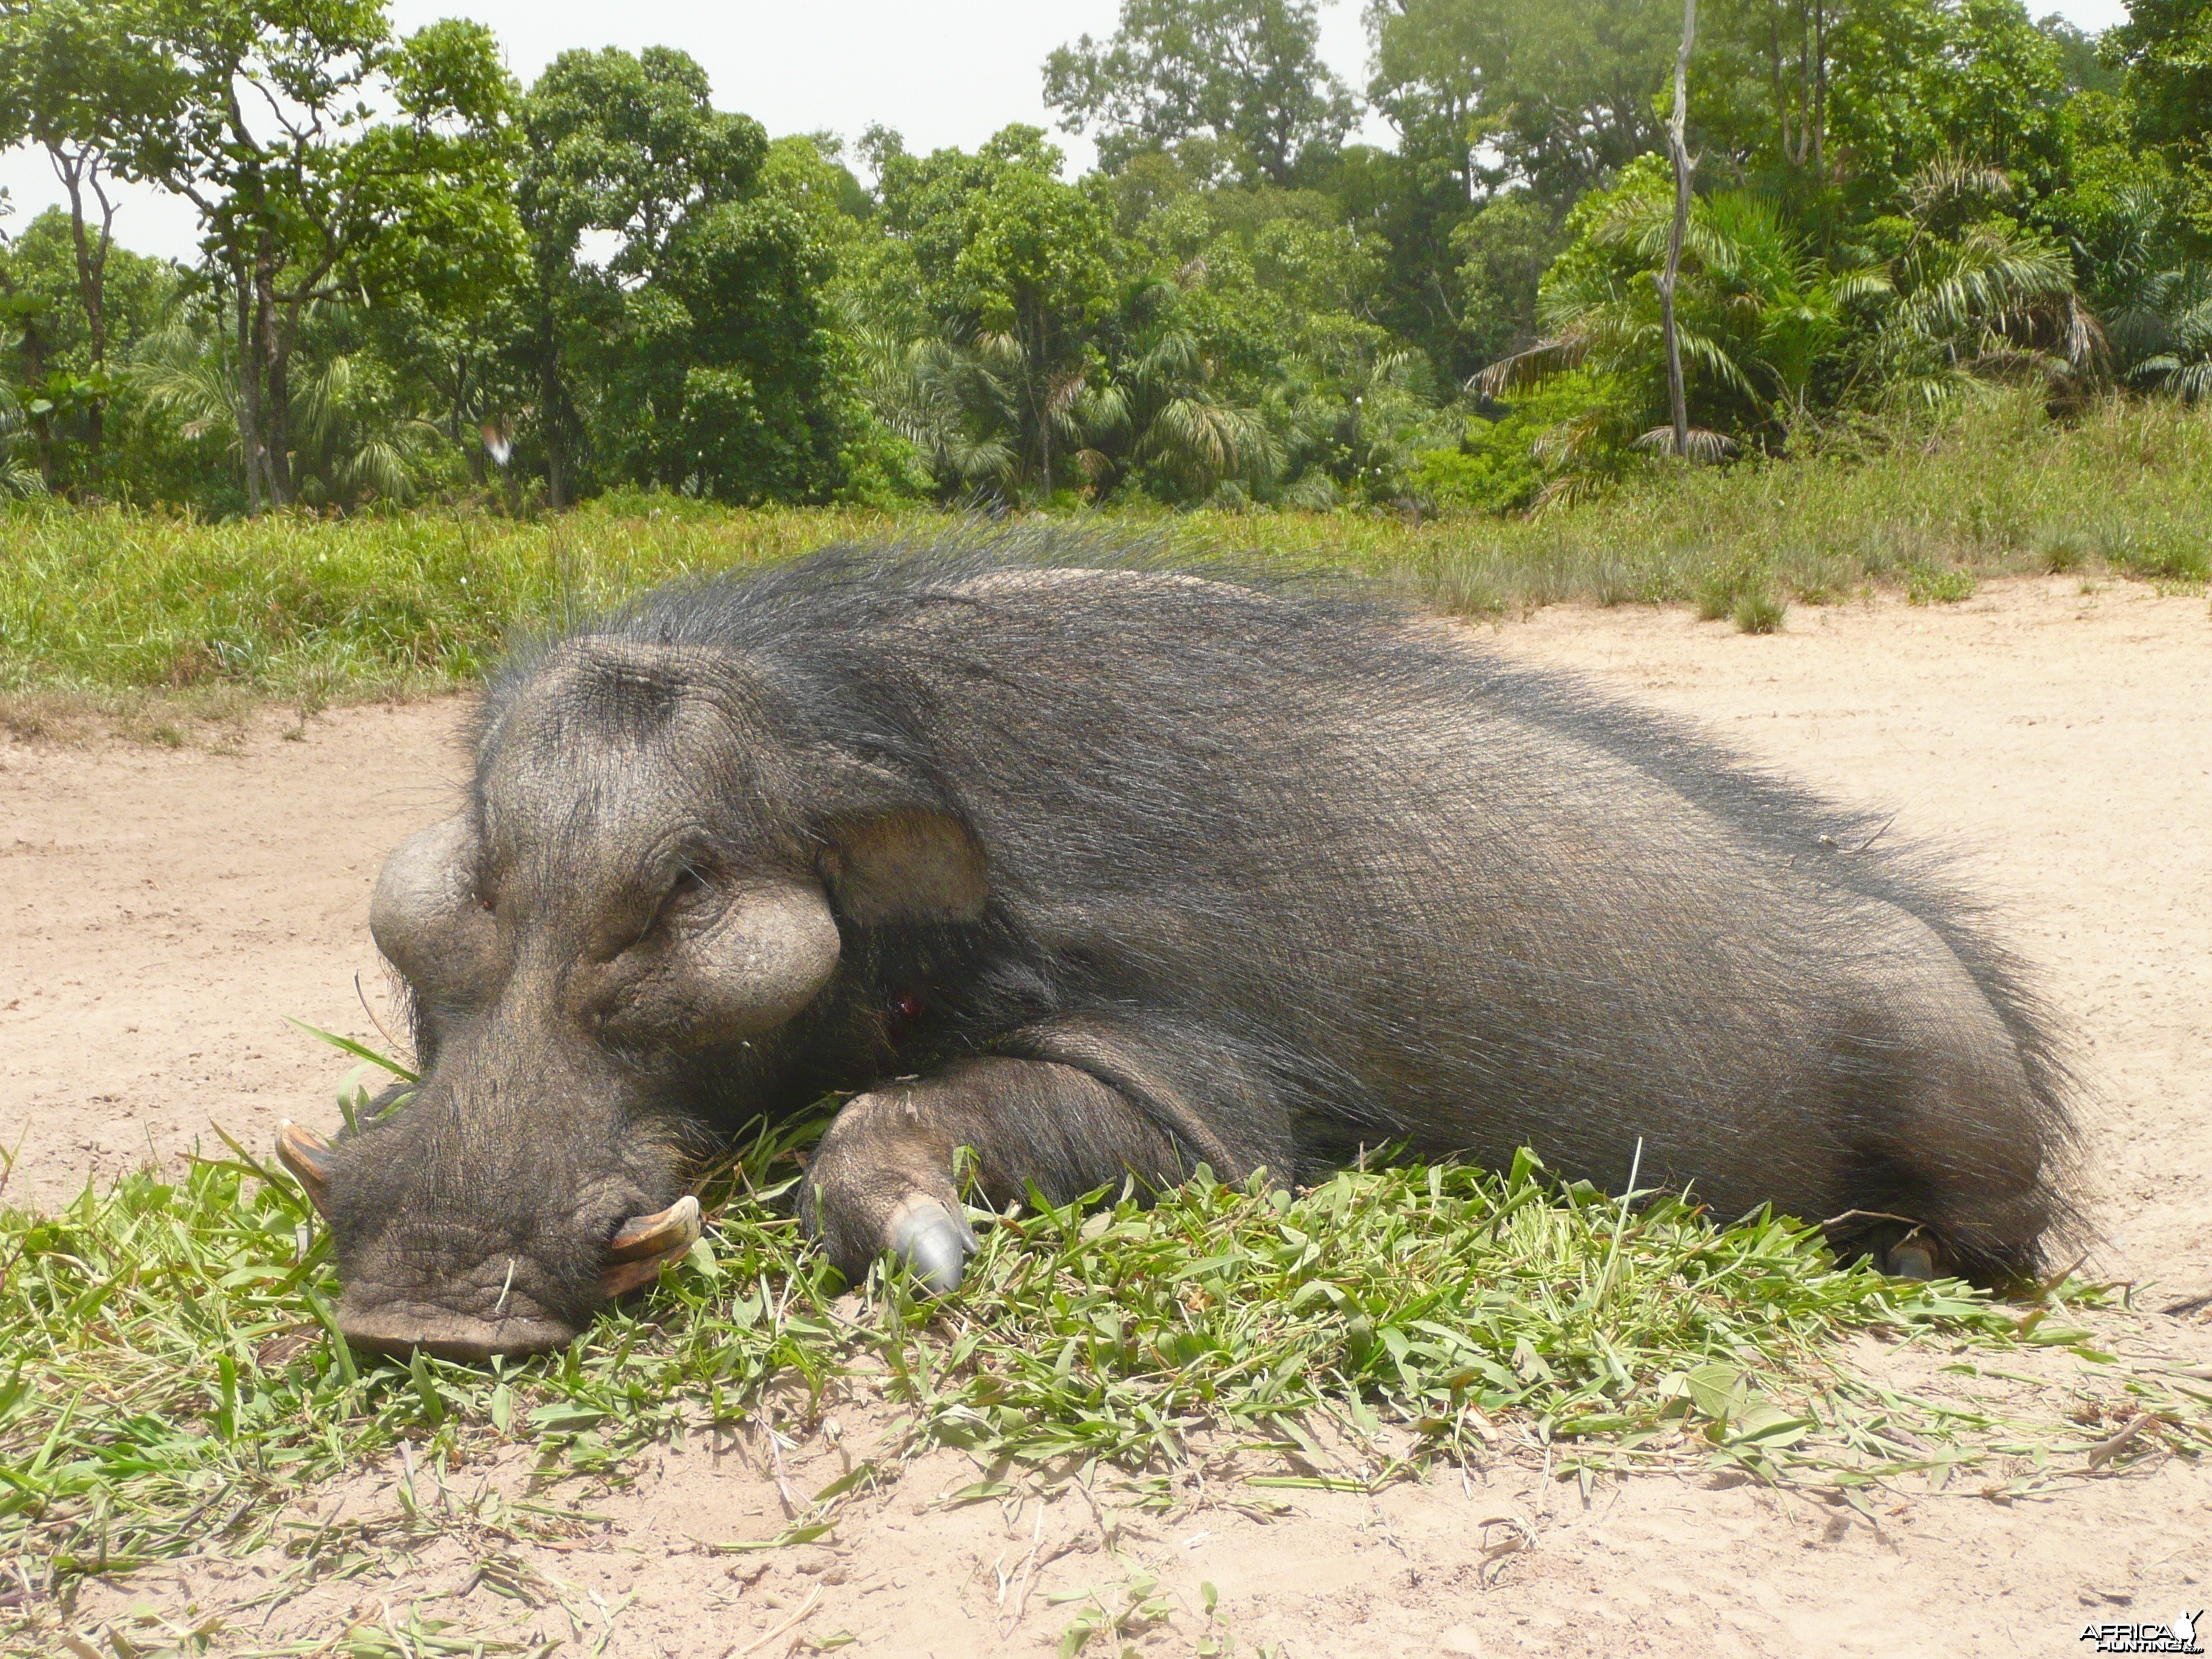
x,y
783,1629
2106,1449
1028,1565
1106,1528
782,1476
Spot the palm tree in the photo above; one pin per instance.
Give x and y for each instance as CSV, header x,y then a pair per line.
x,y
1994,302
1348,412
352,444
1966,300
1160,419
353,441
2155,302
1753,314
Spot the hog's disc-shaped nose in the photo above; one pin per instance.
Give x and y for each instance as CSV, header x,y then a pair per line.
x,y
444,1334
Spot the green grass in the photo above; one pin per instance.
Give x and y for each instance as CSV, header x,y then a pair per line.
x,y
314,611
173,1379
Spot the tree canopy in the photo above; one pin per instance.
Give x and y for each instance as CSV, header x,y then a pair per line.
x,y
418,278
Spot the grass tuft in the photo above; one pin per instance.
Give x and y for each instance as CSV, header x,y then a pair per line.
x,y
1759,613
1947,584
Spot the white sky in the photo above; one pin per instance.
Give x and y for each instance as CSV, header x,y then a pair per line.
x,y
939,71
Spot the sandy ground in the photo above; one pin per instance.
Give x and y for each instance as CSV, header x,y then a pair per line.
x,y
161,911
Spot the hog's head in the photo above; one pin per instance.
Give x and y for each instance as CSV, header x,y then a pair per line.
x,y
637,929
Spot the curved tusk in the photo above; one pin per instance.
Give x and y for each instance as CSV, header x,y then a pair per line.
x,y
307,1156
676,1228
645,1245
619,1278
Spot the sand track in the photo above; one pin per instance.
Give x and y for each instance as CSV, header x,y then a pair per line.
x,y
161,911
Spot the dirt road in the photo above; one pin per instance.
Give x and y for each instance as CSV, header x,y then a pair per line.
x,y
159,913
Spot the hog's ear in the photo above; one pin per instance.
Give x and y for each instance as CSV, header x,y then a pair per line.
x,y
906,866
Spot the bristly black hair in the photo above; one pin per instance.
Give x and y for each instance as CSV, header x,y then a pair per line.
x,y
1220,798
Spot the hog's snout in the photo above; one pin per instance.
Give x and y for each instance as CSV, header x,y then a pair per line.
x,y
502,1307
435,1287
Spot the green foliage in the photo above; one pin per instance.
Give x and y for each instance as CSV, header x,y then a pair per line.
x,y
2165,48
1938,585
1759,613
609,283
119,599
326,201
1498,466
1565,94
174,1377
1236,85
1503,251
695,352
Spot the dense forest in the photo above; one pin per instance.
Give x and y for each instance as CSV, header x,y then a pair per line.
x,y
420,280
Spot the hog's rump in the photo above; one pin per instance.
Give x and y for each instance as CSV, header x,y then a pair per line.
x,y
1311,875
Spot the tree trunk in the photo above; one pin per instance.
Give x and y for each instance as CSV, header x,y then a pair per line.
x,y
276,399
553,416
76,172
1677,148
1041,391
1774,70
42,426
249,392
1820,88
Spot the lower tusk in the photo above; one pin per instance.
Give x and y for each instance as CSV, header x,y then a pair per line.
x,y
621,1278
676,1228
637,1253
307,1156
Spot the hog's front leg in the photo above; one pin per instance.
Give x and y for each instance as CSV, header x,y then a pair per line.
x,y
882,1178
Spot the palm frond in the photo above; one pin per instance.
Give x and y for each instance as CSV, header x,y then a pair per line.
x,y
1527,369
1703,444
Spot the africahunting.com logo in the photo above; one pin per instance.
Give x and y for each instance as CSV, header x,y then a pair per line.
x,y
2180,1637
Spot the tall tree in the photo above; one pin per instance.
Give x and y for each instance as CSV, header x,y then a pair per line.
x,y
1014,264
304,194
618,146
75,79
1244,75
1556,94
677,335
2166,48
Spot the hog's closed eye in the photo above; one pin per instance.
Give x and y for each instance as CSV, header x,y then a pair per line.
x,y
685,892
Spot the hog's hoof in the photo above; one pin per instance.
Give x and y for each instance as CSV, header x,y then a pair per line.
x,y
1911,1257
933,1242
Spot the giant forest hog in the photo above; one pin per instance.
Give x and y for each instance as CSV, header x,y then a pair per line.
x,y
1107,872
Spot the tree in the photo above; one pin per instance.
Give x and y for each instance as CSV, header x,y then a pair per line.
x,y
620,145
1561,94
2165,48
1244,76
678,331
74,79
1013,265
1502,253
1165,419
1752,312
65,375
267,128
